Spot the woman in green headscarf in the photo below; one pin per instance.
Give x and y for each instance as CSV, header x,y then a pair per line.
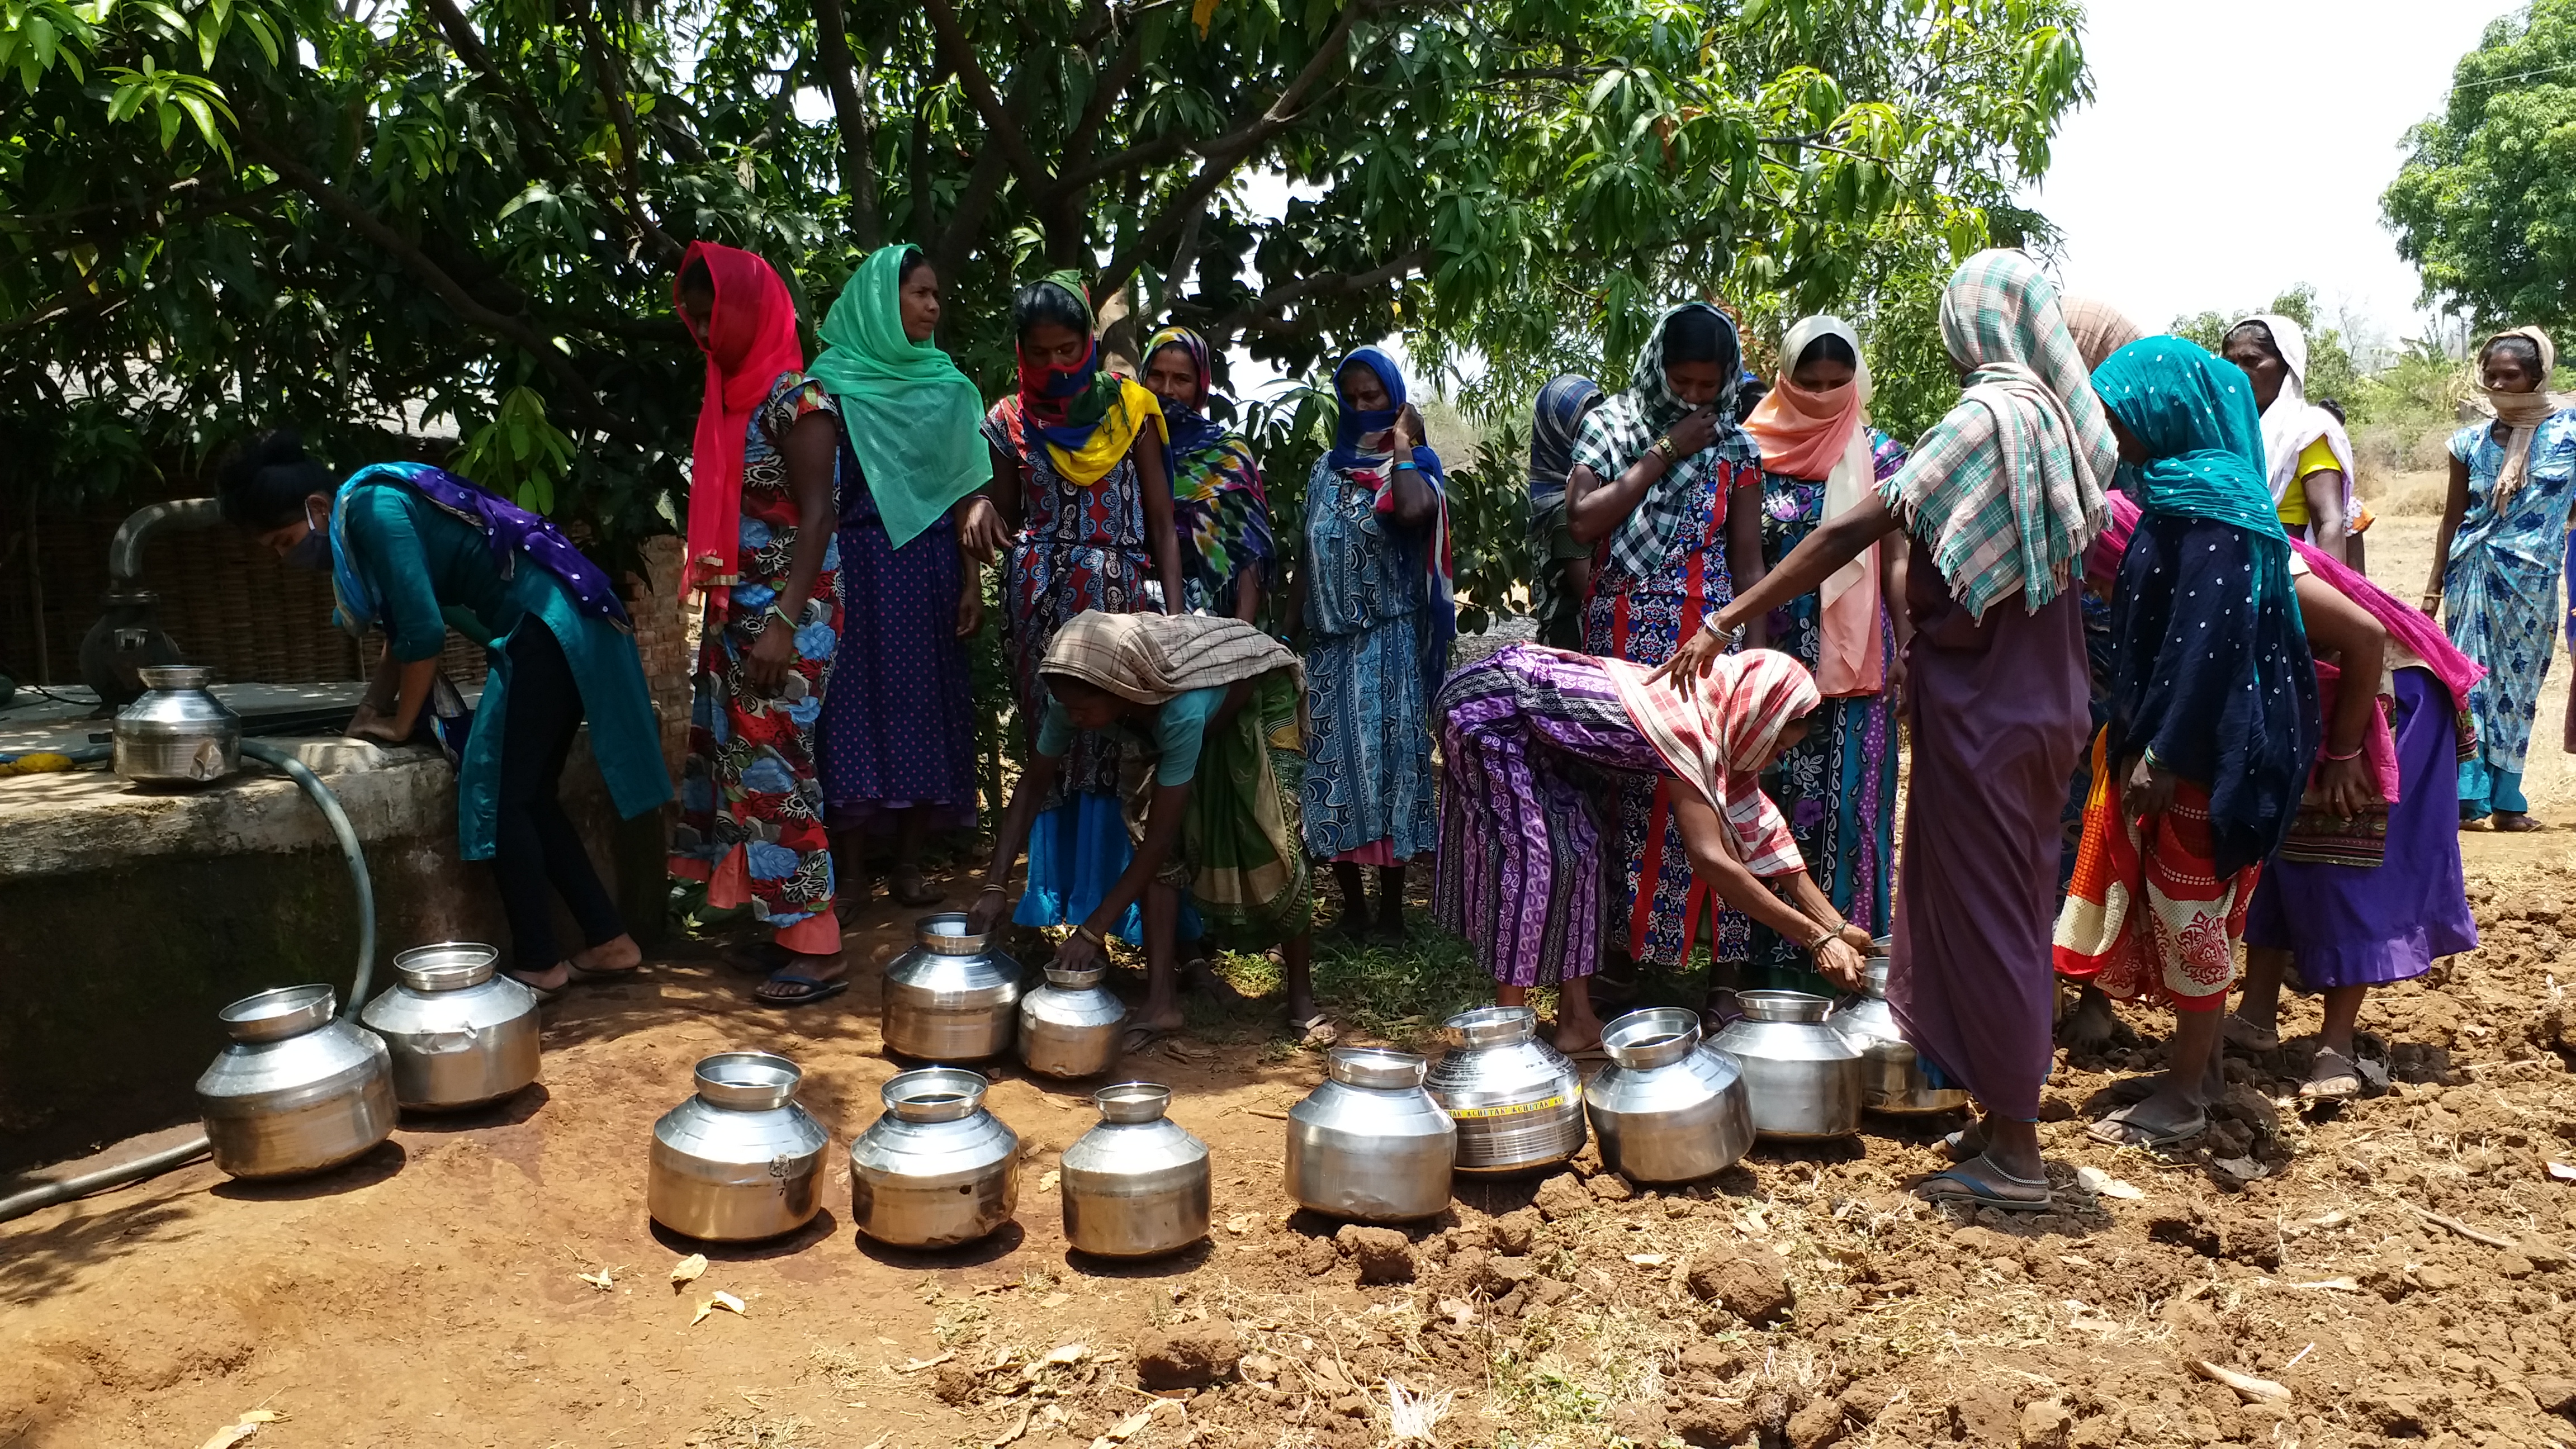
x,y
896,743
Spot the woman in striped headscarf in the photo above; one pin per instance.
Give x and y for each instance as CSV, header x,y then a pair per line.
x,y
1217,502
1997,502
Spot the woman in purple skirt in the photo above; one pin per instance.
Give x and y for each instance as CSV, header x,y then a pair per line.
x,y
896,742
2356,902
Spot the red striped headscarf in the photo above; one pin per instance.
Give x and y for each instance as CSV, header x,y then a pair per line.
x,y
1716,739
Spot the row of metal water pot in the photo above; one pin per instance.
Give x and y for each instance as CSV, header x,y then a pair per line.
x,y
1380,1140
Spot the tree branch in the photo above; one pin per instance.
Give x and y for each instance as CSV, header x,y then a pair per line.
x,y
960,55
609,80
858,129
585,402
1267,312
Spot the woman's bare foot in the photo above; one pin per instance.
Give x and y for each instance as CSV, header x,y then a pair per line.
x,y
1150,1025
2091,1025
546,982
608,958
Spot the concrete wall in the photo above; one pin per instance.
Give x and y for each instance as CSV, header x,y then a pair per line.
x,y
127,920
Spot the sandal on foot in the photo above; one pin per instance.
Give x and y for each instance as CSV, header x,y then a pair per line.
x,y
544,994
1315,1030
2236,1031
2120,1129
910,887
1976,1181
1139,1037
2332,1077
1967,1144
815,990
2515,822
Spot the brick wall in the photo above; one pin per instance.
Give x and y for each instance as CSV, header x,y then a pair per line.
x,y
665,636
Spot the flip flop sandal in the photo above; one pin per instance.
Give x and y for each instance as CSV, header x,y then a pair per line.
x,y
2342,1085
1967,1144
1957,1184
545,995
592,976
1314,1031
822,991
2238,1032
2117,1130
1140,1039
911,888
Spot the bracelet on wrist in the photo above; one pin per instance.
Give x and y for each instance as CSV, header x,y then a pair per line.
x,y
992,890
1085,932
1817,942
781,615
2351,754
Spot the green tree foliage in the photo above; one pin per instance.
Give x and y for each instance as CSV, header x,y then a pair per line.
x,y
2331,373
2485,206
220,214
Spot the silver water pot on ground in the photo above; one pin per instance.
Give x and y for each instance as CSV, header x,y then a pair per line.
x,y
1517,1101
1892,1075
296,1091
1669,1107
1804,1080
177,733
952,997
460,1035
739,1161
1370,1143
1137,1184
1069,1027
937,1169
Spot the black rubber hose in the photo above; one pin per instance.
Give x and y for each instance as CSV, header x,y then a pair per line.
x,y
46,1195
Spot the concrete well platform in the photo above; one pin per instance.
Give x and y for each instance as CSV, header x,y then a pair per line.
x,y
128,918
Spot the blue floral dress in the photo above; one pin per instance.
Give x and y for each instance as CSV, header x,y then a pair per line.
x,y
2500,598
1368,757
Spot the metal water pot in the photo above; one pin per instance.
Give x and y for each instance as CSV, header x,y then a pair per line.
x,y
937,1169
460,1034
739,1161
1804,1080
951,998
1370,1143
1892,1076
1669,1107
177,733
1137,1184
296,1090
1517,1101
1069,1026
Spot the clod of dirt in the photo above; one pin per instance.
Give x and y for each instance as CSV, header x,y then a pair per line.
x,y
1561,1197
956,1384
1611,1187
1866,1400
1191,1356
2555,1396
1514,1232
1709,1425
2045,1424
1752,1285
1817,1425
1716,1360
1501,1276
1382,1253
1985,1416
1318,1256
2251,1108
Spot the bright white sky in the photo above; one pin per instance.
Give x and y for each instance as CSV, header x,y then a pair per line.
x,y
2236,148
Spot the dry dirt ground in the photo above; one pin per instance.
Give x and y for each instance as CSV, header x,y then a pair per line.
x,y
2401,1268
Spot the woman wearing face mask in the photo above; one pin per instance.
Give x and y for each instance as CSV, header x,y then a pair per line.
x,y
2306,455
1379,620
1837,784
1217,503
1667,490
1079,477
2496,564
761,548
413,550
896,744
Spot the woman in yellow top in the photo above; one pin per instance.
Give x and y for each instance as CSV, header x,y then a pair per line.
x,y
2304,448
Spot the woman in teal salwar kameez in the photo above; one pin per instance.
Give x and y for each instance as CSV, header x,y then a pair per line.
x,y
414,551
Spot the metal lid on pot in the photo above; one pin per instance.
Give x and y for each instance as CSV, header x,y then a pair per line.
x,y
446,965
176,676
1494,1026
1873,978
948,933
1655,1037
1783,1005
934,1094
1375,1067
1071,979
279,1014
1132,1102
748,1081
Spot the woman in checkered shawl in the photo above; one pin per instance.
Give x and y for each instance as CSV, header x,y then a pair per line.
x,y
1998,500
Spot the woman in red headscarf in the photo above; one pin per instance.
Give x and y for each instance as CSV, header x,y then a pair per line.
x,y
762,548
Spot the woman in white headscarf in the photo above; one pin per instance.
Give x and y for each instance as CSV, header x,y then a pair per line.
x,y
2497,561
2304,447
